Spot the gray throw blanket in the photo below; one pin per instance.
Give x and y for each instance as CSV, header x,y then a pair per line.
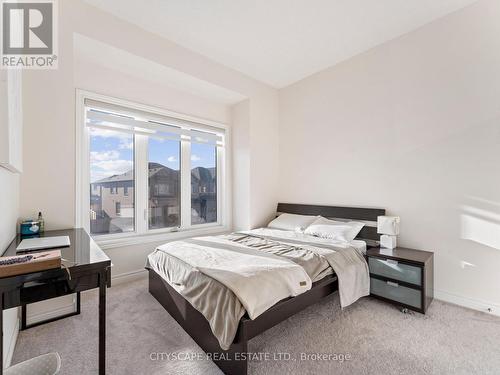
x,y
349,265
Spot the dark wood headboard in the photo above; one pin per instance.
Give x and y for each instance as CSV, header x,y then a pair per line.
x,y
367,215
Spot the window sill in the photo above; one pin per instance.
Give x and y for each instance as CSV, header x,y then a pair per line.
x,y
130,240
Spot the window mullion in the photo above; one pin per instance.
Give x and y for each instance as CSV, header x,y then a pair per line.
x,y
185,184
220,187
85,178
141,183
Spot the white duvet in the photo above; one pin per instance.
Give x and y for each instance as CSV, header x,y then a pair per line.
x,y
258,279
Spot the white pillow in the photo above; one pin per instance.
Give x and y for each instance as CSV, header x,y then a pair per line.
x,y
335,230
292,222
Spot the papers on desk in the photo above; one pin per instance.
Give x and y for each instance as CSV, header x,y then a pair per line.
x,y
39,243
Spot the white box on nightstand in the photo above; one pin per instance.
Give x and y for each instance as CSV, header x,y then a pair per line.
x,y
387,241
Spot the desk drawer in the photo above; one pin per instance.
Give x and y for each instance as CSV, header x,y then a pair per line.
x,y
395,292
395,270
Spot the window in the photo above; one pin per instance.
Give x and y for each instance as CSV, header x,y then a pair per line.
x,y
111,164
203,183
164,198
149,172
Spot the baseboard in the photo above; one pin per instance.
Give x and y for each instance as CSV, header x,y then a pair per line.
x,y
116,280
70,308
12,345
52,314
474,304
128,276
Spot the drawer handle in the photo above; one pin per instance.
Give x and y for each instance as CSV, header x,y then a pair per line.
x,y
393,262
392,284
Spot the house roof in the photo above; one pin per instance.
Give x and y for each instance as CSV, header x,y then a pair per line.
x,y
127,176
199,173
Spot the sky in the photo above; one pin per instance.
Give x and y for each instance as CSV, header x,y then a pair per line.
x,y
112,153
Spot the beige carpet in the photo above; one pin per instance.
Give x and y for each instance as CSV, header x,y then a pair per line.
x,y
377,337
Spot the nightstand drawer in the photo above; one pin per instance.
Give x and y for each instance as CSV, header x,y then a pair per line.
x,y
395,270
395,292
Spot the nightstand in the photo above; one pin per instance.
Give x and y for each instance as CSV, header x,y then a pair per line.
x,y
404,277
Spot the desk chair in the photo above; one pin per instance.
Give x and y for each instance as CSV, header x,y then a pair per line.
x,y
46,364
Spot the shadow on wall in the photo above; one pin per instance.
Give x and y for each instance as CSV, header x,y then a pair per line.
x,y
480,222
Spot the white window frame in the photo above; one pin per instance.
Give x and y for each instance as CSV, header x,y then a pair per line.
x,y
142,233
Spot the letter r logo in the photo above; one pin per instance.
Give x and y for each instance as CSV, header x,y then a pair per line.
x,y
27,28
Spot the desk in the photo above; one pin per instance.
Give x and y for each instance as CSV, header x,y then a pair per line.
x,y
89,268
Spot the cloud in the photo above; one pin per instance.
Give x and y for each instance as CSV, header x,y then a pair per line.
x,y
126,141
195,158
107,168
96,156
171,159
106,133
98,175
124,145
119,165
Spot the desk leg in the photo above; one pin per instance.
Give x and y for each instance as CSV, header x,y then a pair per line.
x,y
102,323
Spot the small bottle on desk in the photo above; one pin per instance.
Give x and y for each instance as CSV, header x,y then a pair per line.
x,y
41,222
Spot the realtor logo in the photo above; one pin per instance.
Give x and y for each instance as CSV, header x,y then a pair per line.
x,y
29,34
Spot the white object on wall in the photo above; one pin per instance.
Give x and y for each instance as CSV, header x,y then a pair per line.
x,y
11,120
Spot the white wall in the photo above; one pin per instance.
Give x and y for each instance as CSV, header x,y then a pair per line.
x,y
102,80
10,116
9,207
11,120
264,159
49,135
241,158
411,126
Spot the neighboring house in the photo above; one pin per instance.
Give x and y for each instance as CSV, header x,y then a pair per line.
x,y
112,204
203,195
164,196
112,199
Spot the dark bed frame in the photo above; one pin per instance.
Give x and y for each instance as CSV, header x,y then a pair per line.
x,y
231,361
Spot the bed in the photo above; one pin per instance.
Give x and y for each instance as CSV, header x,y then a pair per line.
x,y
323,282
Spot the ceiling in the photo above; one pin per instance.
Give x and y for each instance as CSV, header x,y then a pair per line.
x,y
280,41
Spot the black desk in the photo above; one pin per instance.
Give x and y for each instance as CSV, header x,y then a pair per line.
x,y
89,268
